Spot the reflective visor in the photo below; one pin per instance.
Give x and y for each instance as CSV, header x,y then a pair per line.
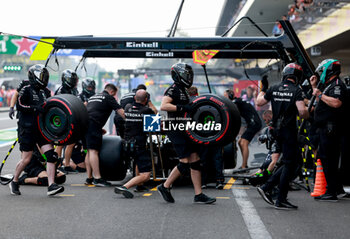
x,y
187,75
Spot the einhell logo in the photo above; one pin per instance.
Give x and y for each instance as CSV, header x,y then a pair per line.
x,y
142,44
159,54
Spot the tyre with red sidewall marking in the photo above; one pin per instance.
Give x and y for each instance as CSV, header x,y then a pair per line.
x,y
65,119
218,110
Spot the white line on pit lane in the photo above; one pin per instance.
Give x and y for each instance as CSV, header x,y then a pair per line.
x,y
255,226
7,143
8,129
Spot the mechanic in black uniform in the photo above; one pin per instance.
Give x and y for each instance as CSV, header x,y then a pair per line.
x,y
176,102
134,133
99,108
89,89
78,156
35,172
287,101
129,98
253,121
69,86
30,103
15,97
328,119
267,167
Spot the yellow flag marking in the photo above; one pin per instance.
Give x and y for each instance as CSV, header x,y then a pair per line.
x,y
42,50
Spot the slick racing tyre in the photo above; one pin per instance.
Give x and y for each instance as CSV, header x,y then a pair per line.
x,y
219,115
65,119
112,165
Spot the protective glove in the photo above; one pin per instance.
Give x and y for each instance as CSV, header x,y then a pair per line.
x,y
12,112
265,84
183,108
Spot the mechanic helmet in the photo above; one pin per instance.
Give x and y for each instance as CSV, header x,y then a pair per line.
x,y
328,68
89,86
293,71
182,74
38,76
69,78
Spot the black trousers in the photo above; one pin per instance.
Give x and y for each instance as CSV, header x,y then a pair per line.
x,y
329,153
287,140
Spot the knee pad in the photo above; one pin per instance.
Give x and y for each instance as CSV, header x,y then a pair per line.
x,y
184,168
51,156
196,165
43,181
60,179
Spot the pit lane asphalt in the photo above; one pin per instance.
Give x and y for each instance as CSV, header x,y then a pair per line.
x,y
91,212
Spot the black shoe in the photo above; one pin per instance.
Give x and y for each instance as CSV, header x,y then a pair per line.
x,y
61,169
89,181
14,188
202,198
327,198
54,189
265,195
123,190
141,189
165,192
69,169
219,185
285,205
80,170
101,182
22,178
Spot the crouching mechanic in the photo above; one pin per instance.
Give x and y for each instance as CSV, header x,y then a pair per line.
x,y
134,132
30,103
176,103
35,172
287,102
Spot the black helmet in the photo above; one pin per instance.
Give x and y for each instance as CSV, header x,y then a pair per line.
x,y
89,86
328,68
69,78
38,76
182,74
293,71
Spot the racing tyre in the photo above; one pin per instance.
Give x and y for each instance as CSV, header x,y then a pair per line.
x,y
112,165
219,118
65,119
